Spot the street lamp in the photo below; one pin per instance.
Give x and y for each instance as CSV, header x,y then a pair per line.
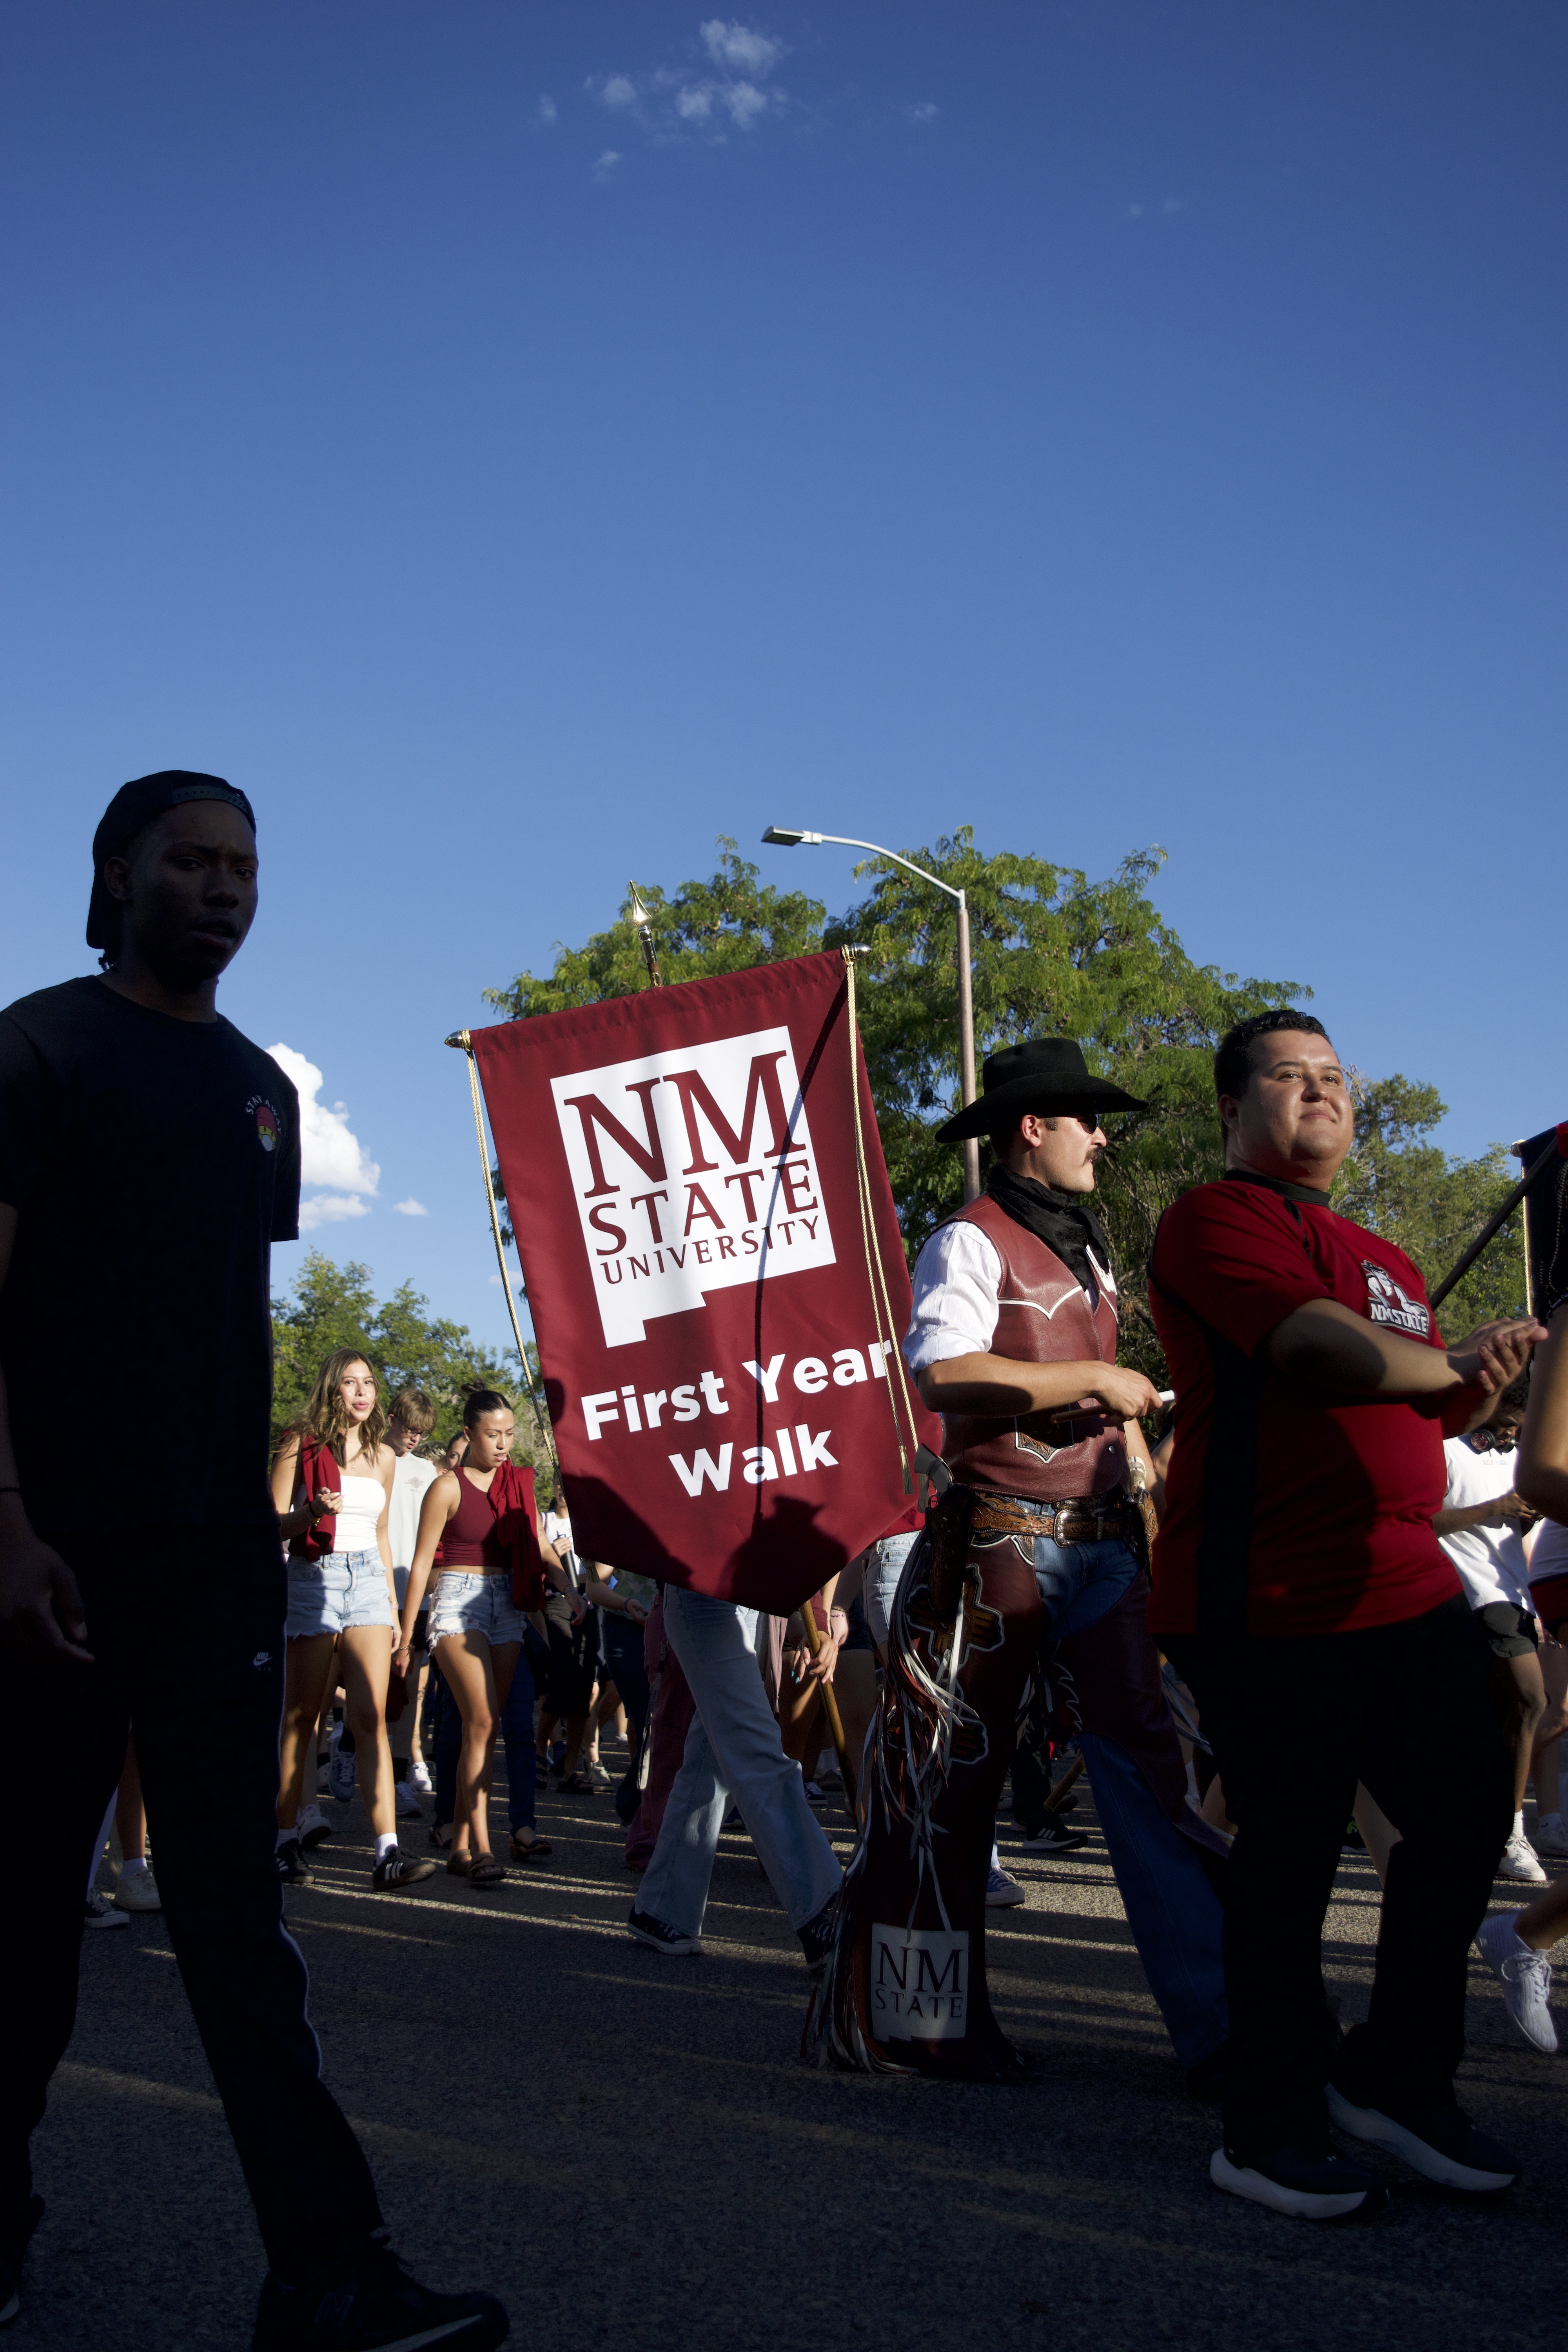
x,y
783,837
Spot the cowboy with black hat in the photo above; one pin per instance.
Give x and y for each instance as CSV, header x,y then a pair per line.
x,y
1039,1535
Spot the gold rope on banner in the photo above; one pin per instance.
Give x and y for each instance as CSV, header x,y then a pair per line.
x,y
463,1039
876,1274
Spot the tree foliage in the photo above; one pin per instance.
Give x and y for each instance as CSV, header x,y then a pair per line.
x,y
1053,953
334,1307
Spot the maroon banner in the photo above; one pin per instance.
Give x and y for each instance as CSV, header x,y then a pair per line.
x,y
680,1168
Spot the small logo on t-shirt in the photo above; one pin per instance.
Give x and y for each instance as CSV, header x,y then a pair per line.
x,y
266,1127
1388,1302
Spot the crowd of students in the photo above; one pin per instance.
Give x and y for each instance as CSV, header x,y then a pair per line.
x,y
1360,1572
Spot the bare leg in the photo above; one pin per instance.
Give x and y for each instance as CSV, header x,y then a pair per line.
x,y
129,1813
1541,1923
576,1725
855,1687
1547,1762
307,1665
367,1667
1377,1830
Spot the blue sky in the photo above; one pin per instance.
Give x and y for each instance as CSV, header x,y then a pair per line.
x,y
522,443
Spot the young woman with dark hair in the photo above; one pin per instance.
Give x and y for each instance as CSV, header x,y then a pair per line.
x,y
331,1482
495,1564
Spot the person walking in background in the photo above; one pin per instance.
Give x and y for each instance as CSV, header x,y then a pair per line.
x,y
1480,1526
1303,1597
132,1111
410,1418
332,1485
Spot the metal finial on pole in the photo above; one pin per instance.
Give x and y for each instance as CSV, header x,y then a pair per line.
x,y
643,922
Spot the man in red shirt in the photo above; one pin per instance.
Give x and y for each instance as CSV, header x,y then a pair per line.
x,y
1301,1589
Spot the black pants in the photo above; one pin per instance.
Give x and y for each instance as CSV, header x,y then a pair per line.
x,y
183,1612
1295,1723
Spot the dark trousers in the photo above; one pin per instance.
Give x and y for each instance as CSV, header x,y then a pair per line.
x,y
621,1663
182,1611
1295,1722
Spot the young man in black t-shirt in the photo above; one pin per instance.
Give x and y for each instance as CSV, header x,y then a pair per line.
x,y
149,1156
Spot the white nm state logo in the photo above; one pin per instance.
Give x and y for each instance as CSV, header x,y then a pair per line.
x,y
694,1171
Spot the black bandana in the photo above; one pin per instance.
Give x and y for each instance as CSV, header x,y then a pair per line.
x,y
1065,1222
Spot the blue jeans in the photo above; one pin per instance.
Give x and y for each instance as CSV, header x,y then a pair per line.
x,y
1078,1583
732,1749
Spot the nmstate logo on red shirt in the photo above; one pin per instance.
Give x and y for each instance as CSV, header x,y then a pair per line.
x,y
1389,1303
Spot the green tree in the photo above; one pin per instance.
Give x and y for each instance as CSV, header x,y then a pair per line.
x,y
334,1306
1430,1205
1053,954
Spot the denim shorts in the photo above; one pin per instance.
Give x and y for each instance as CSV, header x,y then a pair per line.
x,y
879,1581
469,1601
329,1596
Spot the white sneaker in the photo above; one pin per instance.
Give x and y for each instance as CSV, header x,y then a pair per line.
x,y
1526,1978
405,1803
596,1771
1519,1862
1551,1835
99,1911
421,1780
341,1771
1002,1892
137,1891
313,1828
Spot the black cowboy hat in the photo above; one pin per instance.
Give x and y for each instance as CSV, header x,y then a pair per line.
x,y
1042,1074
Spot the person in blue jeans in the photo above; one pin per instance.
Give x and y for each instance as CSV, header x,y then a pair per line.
x,y
1038,1537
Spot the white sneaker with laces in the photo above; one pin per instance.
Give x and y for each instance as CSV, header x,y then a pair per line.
x,y
1550,1836
1002,1892
313,1828
341,1771
405,1803
99,1911
1519,1862
420,1777
1526,1978
137,1891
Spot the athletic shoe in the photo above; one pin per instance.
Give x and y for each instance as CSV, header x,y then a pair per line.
x,y
341,1771
419,1775
815,1794
1440,2143
15,2234
290,1864
659,1938
364,2301
405,1803
1055,1838
598,1772
137,1891
313,1828
396,1869
99,1911
1519,1862
1526,1978
818,1936
1550,1836
1311,2184
1002,1892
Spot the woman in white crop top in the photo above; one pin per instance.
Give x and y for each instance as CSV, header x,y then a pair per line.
x,y
332,1467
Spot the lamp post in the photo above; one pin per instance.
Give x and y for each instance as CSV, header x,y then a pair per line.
x,y
784,837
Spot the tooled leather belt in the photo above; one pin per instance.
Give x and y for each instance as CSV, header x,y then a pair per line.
x,y
1084,1518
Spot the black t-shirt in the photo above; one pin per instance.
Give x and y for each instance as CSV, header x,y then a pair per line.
x,y
151,1163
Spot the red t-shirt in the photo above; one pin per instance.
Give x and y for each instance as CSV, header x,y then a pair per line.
x,y
1287,1513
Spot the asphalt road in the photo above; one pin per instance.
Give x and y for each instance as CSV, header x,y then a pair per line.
x,y
629,2151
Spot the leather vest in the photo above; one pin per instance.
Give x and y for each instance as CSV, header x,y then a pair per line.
x,y
1043,1317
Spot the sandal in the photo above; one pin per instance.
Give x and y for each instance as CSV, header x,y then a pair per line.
x,y
578,1785
536,1849
484,1870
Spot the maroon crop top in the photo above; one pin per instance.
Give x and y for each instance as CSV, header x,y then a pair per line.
x,y
473,1539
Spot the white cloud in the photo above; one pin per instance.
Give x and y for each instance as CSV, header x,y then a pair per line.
x,y
695,105
545,110
1174,204
618,91
411,1208
745,102
329,1209
330,1155
924,112
739,46
605,164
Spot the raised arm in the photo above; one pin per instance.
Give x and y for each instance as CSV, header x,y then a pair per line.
x,y
40,1605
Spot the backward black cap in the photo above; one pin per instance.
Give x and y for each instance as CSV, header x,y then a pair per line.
x,y
134,805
